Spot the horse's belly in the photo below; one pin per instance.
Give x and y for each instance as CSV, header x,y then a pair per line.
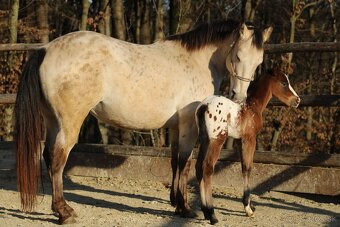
x,y
132,117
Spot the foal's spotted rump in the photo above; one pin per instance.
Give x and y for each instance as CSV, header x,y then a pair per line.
x,y
221,117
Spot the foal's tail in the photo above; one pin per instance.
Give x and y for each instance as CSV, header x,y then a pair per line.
x,y
200,120
28,125
202,130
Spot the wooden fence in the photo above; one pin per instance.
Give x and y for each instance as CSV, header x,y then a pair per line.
x,y
293,172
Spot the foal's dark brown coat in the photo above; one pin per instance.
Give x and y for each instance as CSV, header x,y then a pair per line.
x,y
248,122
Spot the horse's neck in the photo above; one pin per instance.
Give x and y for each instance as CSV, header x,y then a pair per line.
x,y
259,97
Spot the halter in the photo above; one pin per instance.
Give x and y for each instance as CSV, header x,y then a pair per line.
x,y
233,73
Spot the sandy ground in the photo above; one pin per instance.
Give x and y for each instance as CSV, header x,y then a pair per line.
x,y
124,202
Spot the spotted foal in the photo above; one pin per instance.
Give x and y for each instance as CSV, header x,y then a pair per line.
x,y
218,117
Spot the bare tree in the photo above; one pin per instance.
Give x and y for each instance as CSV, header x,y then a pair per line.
x,y
13,34
84,15
145,26
42,17
159,21
118,19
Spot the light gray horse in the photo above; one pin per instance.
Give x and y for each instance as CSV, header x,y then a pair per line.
x,y
126,85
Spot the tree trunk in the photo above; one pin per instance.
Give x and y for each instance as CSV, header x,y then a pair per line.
x,y
13,35
107,18
335,132
84,15
138,13
145,29
118,19
159,23
335,60
42,17
181,16
104,24
174,16
13,21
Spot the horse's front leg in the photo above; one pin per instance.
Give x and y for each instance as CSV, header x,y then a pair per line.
x,y
248,149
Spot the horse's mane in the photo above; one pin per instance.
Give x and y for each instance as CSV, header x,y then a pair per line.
x,y
212,33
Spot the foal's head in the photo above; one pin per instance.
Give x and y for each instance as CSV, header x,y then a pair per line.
x,y
244,57
282,89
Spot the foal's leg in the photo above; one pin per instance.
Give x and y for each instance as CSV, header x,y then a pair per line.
x,y
248,149
174,165
208,165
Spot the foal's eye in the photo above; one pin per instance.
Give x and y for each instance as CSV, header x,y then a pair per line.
x,y
284,84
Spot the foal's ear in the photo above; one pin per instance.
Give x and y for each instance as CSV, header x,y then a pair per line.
x,y
245,33
275,70
266,33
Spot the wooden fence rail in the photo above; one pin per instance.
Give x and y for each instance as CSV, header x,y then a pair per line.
x,y
306,100
283,171
269,48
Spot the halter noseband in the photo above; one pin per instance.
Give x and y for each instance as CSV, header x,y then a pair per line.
x,y
233,73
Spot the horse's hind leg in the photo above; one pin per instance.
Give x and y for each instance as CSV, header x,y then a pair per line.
x,y
174,165
205,170
58,154
248,149
187,139
62,134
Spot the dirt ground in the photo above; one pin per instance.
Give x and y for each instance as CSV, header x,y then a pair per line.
x,y
124,202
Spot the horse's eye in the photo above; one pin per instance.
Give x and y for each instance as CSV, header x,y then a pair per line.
x,y
284,84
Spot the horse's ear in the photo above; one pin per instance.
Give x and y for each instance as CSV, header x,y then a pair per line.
x,y
245,33
266,33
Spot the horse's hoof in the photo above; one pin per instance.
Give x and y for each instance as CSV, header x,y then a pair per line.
x,y
73,213
186,213
68,220
213,220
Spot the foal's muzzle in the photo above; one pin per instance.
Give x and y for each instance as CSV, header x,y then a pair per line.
x,y
295,102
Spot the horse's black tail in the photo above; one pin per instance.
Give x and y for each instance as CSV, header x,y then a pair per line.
x,y
28,126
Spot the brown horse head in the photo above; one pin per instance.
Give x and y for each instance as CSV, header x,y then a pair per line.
x,y
282,89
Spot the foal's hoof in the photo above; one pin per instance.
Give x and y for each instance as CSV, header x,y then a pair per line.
x,y
209,214
250,211
67,220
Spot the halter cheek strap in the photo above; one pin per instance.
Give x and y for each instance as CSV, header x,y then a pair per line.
x,y
231,67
